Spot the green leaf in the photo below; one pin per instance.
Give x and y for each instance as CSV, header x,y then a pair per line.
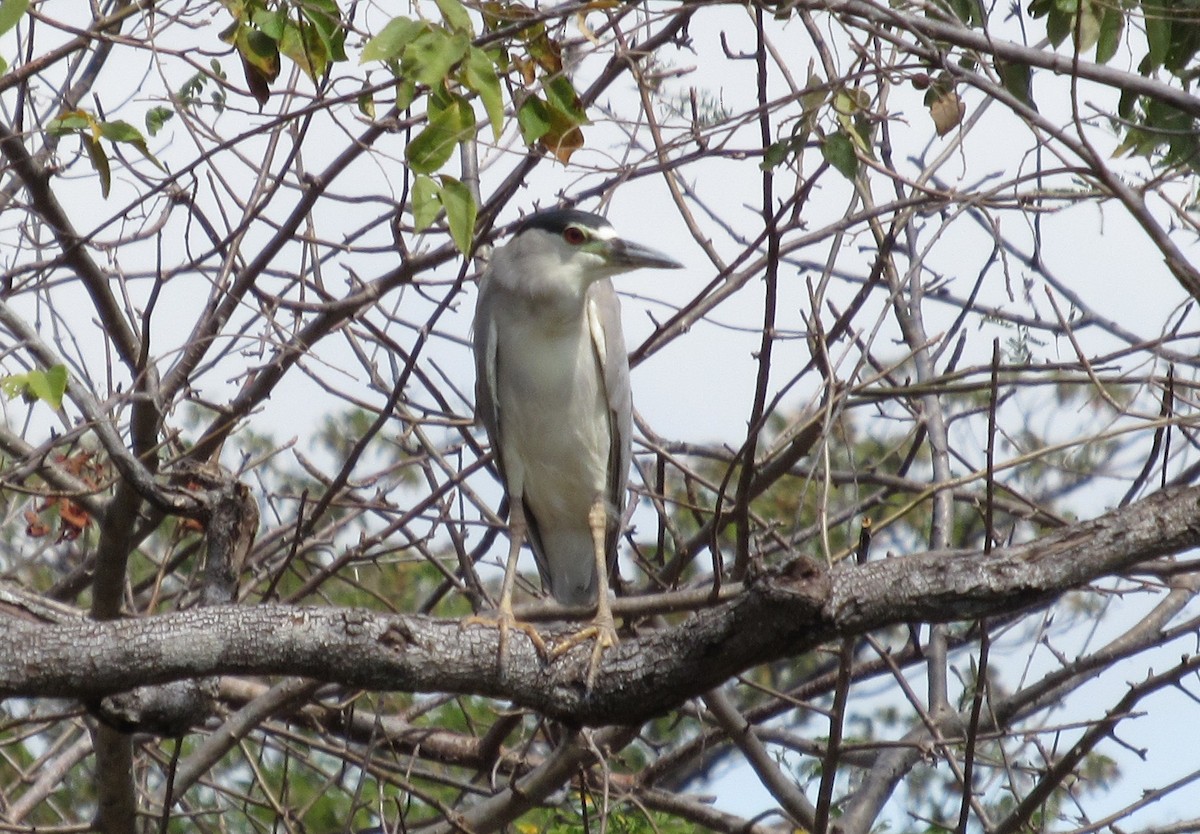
x,y
456,16
306,49
391,41
156,117
814,95
1112,24
1058,25
838,150
561,95
1158,34
479,74
73,121
460,212
122,131
775,155
1125,104
556,127
13,385
850,105
433,146
11,12
99,162
849,100
406,92
533,117
366,104
1018,80
49,386
1087,29
1130,144
431,56
1184,43
270,22
1174,128
258,51
325,18
966,10
313,39
426,202
543,49
441,100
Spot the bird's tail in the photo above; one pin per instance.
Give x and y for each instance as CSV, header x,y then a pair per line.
x,y
570,566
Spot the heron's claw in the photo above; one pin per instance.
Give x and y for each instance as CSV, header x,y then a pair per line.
x,y
504,621
603,633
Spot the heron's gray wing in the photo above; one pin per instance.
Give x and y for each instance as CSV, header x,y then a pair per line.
x,y
484,341
487,405
604,322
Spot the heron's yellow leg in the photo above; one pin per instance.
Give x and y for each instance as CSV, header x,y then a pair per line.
x,y
603,629
505,619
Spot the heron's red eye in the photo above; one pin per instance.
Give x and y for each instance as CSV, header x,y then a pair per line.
x,y
574,235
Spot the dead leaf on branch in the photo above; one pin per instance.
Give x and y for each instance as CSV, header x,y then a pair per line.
x,y
70,517
947,111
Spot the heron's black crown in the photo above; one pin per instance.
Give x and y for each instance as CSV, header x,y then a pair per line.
x,y
556,221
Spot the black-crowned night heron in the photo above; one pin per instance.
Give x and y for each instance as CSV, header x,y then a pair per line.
x,y
552,391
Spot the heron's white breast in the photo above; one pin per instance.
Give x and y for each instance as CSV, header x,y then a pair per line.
x,y
553,418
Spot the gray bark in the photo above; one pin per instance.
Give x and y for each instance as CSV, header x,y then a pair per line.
x,y
783,611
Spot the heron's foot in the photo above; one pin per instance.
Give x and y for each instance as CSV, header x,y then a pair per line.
x,y
505,621
603,633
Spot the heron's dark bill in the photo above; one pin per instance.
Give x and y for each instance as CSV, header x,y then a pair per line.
x,y
624,253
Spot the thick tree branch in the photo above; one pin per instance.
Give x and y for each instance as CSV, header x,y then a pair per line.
x,y
784,612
